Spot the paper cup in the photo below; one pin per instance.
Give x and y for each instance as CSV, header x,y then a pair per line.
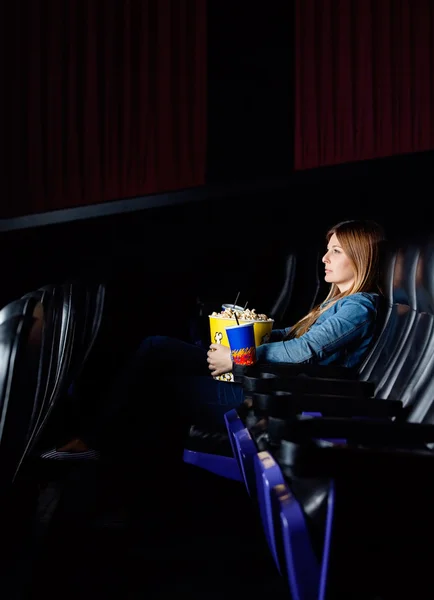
x,y
242,344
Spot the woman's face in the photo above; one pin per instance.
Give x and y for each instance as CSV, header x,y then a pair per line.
x,y
338,268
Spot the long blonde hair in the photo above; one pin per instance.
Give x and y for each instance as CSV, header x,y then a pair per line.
x,y
360,240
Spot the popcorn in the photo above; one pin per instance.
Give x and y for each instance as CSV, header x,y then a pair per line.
x,y
242,315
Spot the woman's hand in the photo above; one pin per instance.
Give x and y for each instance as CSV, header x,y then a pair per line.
x,y
219,359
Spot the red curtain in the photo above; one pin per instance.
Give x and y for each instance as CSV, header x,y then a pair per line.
x,y
103,99
364,74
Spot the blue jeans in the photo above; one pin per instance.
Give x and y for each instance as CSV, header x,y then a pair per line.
x,y
185,369
167,383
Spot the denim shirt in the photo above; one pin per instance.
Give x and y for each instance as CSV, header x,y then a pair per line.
x,y
341,336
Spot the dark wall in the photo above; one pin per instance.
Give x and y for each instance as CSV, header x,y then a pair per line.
x,y
250,91
155,262
216,247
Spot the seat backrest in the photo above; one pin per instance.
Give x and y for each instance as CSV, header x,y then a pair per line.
x,y
17,307
402,362
58,338
414,384
30,305
88,307
298,286
95,307
280,306
72,335
381,365
20,352
72,326
52,300
388,259
397,378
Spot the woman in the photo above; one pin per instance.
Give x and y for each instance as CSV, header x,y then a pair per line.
x,y
337,332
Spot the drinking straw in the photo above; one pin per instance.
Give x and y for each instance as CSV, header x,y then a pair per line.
x,y
245,306
236,299
236,318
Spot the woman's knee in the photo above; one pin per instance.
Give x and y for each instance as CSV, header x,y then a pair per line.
x,y
153,342
175,356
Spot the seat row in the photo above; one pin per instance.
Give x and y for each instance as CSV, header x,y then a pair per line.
x,y
45,339
339,464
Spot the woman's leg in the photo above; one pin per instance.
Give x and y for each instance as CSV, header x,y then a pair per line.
x,y
204,401
168,357
186,386
167,380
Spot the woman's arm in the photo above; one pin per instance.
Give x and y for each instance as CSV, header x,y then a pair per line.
x,y
277,335
352,321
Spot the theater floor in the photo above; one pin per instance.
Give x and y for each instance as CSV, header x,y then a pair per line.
x,y
102,543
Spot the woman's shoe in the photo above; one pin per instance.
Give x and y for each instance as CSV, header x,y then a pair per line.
x,y
75,449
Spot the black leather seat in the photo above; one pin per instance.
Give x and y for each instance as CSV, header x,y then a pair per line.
x,y
295,286
42,350
20,352
388,353
381,368
56,323
280,306
36,304
21,339
89,306
413,380
380,457
385,374
36,349
71,318
380,515
16,307
403,365
314,380
77,312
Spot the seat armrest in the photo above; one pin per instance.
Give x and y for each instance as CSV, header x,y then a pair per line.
x,y
285,405
365,432
369,464
303,384
294,369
